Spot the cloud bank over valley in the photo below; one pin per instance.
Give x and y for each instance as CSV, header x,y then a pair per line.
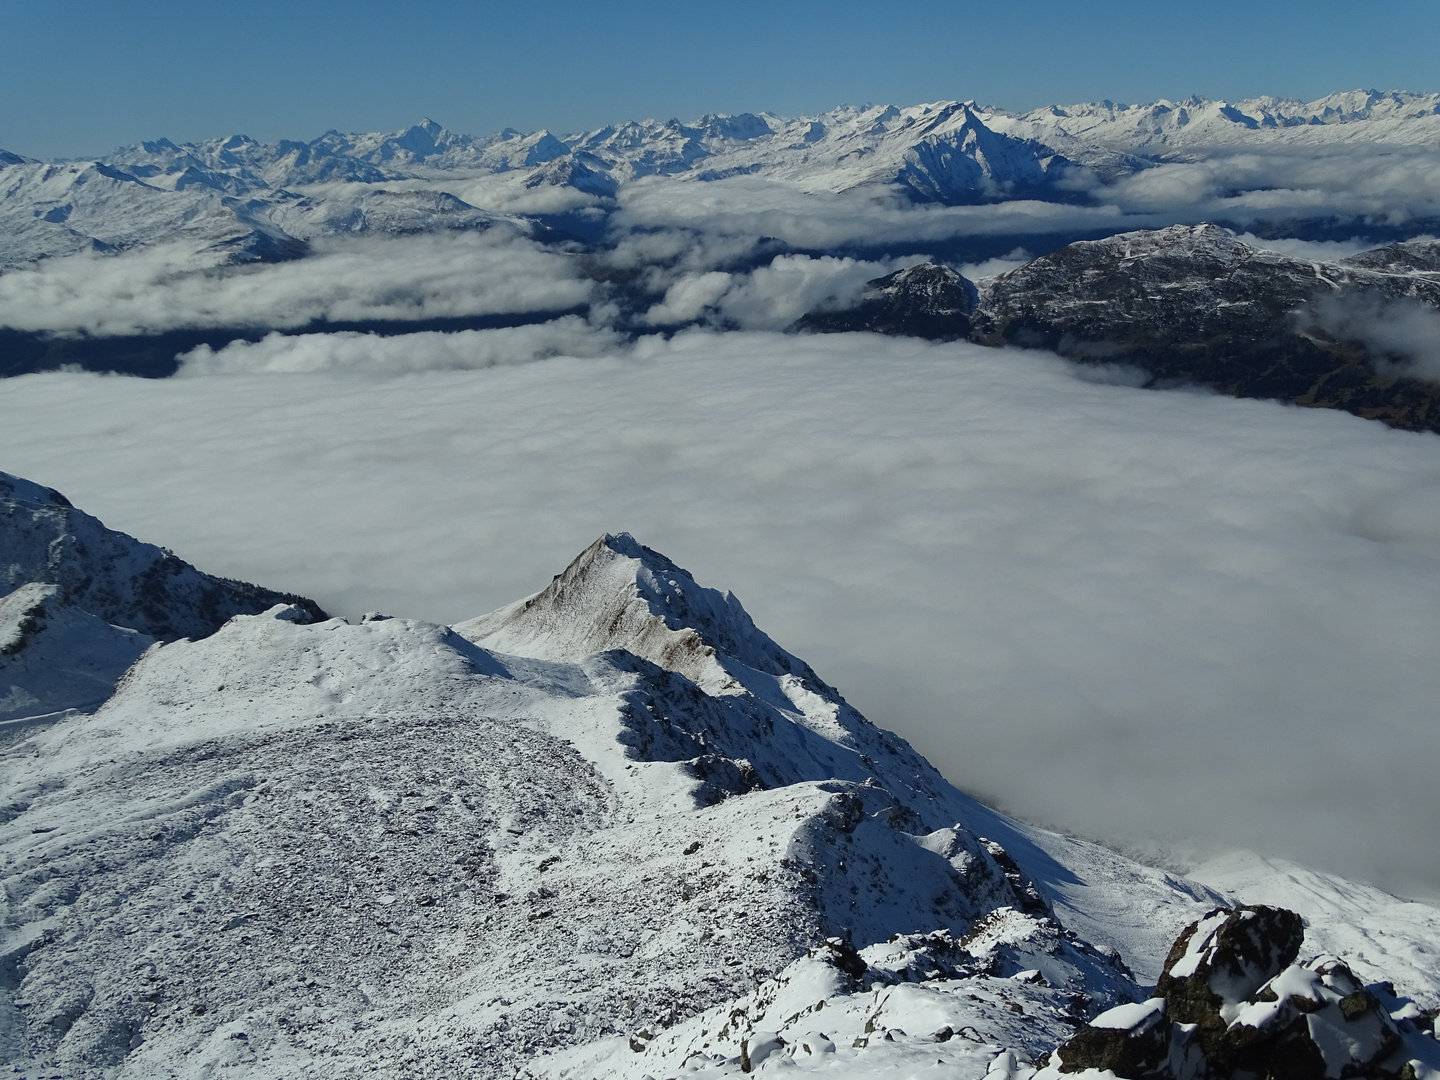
x,y
1138,614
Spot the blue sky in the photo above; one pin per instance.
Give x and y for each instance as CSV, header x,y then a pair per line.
x,y
81,76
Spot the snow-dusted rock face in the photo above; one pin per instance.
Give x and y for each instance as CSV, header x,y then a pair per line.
x,y
1195,304
612,830
1233,1003
1195,285
79,602
619,594
114,576
1410,257
926,300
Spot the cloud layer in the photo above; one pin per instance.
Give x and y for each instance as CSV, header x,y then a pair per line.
x,y
1135,614
1404,333
407,278
359,353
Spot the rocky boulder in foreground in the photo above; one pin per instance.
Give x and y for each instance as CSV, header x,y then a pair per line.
x,y
1233,1003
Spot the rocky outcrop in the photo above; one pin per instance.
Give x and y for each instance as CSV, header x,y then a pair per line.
x,y
79,602
1233,1003
127,582
926,300
1196,305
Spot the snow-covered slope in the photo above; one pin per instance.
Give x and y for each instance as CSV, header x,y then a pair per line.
x,y
56,655
79,602
598,832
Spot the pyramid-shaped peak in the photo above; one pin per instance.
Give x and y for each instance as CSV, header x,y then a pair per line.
x,y
620,594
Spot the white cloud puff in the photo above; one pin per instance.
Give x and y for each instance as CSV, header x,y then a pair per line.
x,y
688,298
770,297
465,350
356,279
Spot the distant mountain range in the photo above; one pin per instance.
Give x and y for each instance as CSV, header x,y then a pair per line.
x,y
247,200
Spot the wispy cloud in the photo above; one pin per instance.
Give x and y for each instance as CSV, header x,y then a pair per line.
x,y
365,353
1403,334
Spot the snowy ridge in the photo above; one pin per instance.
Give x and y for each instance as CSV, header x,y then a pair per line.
x,y
612,830
1389,117
49,210
80,602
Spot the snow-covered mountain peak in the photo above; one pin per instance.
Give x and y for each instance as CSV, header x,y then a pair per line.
x,y
619,594
349,850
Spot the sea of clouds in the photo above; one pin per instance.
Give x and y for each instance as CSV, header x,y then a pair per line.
x,y
1147,616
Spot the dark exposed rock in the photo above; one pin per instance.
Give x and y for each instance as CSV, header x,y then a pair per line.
x,y
722,777
1193,305
1136,1050
927,300
119,579
1231,1003
1027,897
1227,956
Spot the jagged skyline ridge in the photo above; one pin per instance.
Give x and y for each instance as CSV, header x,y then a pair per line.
x,y
477,64
673,144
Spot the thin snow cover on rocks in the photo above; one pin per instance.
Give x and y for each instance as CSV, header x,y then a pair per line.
x,y
80,602
611,829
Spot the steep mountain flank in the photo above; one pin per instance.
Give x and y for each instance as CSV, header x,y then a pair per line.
x,y
79,602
